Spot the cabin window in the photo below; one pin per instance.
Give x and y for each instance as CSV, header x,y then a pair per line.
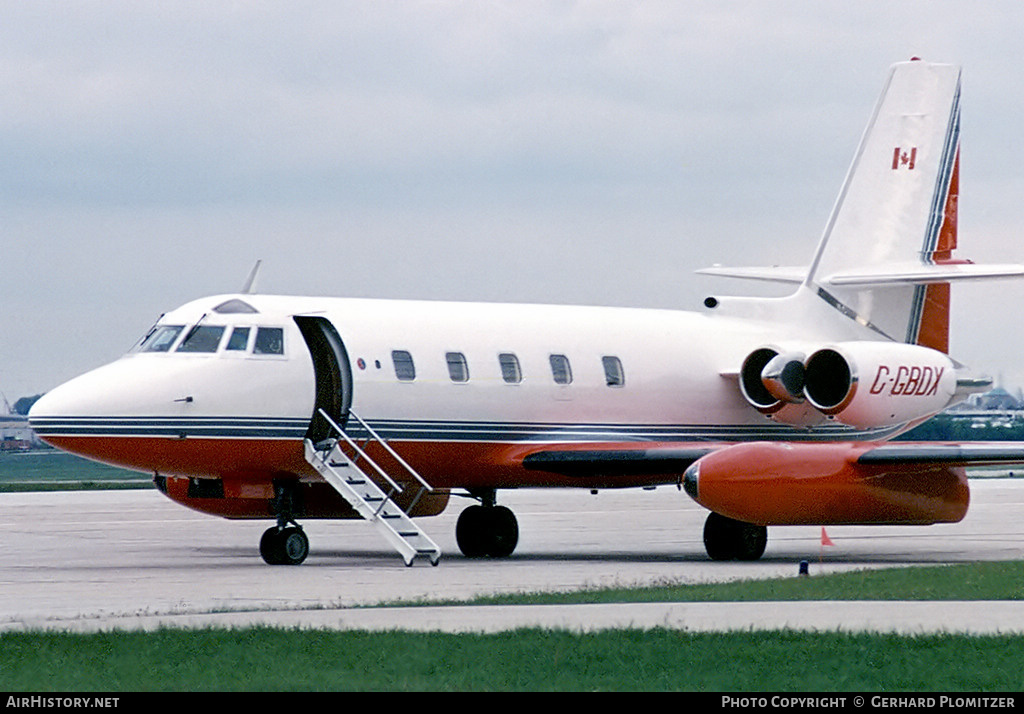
x,y
405,370
560,369
613,374
202,338
458,370
510,371
160,338
239,339
269,341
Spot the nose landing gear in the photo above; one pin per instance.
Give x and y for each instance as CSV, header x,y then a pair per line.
x,y
284,546
286,543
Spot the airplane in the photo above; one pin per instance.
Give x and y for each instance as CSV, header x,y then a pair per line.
x,y
766,411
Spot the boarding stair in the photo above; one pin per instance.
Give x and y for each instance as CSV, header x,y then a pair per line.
x,y
338,459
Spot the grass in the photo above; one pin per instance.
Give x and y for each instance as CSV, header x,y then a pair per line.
x,y
1002,580
263,659
267,659
51,470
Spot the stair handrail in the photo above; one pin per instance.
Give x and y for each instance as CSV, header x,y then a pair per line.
x,y
359,451
391,451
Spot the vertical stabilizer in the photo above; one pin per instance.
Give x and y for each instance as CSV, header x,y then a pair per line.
x,y
896,212
884,265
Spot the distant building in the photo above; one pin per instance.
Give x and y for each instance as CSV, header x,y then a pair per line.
x,y
15,434
997,399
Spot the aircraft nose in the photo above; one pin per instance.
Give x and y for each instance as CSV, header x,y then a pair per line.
x,y
42,408
95,393
67,401
69,409
85,415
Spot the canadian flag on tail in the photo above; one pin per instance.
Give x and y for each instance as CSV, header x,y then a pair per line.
x,y
902,158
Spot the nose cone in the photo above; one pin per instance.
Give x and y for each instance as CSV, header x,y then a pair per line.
x,y
81,416
121,388
77,398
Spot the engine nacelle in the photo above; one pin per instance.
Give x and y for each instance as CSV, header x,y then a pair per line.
x,y
876,384
823,484
861,384
771,380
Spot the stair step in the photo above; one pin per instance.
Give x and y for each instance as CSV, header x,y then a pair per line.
x,y
372,503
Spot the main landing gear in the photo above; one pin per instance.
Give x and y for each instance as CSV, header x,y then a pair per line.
x,y
726,539
286,543
487,530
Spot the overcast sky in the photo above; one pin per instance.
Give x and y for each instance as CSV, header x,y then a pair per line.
x,y
581,152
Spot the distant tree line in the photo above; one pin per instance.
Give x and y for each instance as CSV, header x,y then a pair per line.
x,y
24,404
950,426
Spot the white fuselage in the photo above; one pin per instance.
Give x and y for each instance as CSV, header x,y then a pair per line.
x,y
485,378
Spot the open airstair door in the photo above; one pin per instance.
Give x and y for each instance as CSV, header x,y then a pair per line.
x,y
333,375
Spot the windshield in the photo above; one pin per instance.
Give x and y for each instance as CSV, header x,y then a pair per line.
x,y
160,338
202,339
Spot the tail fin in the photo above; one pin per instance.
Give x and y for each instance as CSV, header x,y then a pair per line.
x,y
896,213
885,258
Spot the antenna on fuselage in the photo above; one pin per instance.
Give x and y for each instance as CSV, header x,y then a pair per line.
x,y
250,283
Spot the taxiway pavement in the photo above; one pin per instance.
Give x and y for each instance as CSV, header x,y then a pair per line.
x,y
132,559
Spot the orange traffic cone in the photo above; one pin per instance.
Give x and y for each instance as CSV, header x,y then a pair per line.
x,y
825,540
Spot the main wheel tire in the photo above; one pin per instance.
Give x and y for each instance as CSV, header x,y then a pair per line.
x,y
751,541
470,532
728,539
718,537
487,531
504,532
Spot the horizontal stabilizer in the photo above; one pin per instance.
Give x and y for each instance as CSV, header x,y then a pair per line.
x,y
924,274
774,274
877,276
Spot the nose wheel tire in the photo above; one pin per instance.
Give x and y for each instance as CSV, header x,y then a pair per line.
x,y
284,546
487,531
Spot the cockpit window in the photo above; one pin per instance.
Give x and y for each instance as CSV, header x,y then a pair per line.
x,y
203,338
160,338
234,307
239,339
269,341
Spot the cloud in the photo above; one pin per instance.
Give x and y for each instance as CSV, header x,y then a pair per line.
x,y
601,150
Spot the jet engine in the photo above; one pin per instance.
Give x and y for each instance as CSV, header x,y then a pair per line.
x,y
860,384
772,381
768,483
875,384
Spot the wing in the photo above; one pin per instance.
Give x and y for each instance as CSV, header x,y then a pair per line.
x,y
976,453
668,459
